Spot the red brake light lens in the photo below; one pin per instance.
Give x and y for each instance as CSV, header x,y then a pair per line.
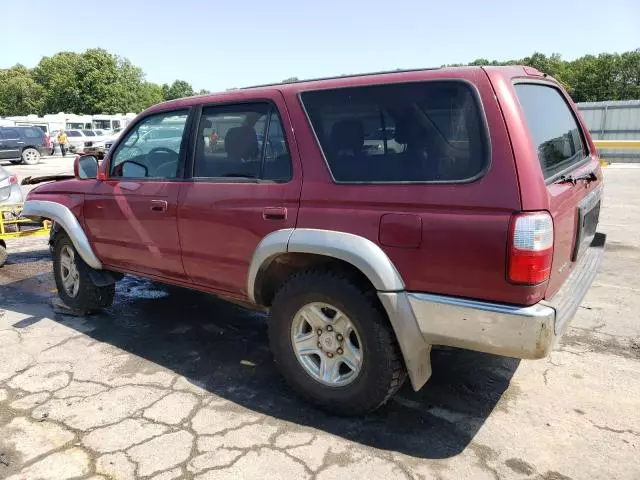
x,y
531,248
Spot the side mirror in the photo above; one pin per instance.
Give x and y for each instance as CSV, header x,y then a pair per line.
x,y
85,167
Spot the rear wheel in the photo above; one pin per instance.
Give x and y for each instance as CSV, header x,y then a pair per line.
x,y
75,287
333,343
31,156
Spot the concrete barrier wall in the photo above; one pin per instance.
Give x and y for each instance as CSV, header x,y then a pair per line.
x,y
609,121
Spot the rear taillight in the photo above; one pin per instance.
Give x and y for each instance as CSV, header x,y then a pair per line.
x,y
531,248
13,180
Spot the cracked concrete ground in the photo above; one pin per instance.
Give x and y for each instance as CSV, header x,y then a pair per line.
x,y
170,384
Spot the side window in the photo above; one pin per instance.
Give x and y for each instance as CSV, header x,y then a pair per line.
x,y
241,141
11,134
553,128
33,132
277,160
145,153
412,132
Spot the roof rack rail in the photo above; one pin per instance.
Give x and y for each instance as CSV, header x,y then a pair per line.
x,y
335,77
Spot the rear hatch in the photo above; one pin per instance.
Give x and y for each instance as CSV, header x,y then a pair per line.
x,y
571,171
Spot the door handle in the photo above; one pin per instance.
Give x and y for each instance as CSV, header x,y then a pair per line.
x,y
159,206
274,213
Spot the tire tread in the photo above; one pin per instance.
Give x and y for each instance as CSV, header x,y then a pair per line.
x,y
341,283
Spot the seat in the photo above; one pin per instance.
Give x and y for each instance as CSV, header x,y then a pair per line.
x,y
243,152
348,159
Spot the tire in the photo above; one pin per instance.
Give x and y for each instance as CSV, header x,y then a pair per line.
x,y
84,296
381,371
3,254
30,156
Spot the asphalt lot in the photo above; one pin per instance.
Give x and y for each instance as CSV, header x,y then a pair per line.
x,y
172,384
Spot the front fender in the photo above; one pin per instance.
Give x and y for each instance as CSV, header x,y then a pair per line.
x,y
64,217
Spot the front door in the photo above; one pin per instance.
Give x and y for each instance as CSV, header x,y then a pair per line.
x,y
132,216
245,184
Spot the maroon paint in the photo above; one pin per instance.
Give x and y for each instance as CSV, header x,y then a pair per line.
x,y
449,238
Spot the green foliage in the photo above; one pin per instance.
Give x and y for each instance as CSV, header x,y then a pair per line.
x,y
589,78
97,81
94,81
178,89
19,93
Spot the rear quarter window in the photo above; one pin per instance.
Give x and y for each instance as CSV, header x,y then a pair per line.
x,y
552,126
411,132
33,132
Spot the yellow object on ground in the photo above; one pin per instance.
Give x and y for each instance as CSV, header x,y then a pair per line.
x,y
12,225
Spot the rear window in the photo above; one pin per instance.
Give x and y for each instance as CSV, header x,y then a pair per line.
x,y
553,127
73,134
33,132
413,132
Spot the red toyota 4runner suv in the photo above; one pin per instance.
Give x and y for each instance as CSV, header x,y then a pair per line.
x,y
373,216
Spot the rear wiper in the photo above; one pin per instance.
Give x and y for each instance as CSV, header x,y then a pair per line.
x,y
588,178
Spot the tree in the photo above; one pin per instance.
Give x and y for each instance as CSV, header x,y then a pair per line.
x,y
178,89
97,81
19,93
57,75
148,94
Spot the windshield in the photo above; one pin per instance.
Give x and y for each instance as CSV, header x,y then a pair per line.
x,y
102,124
89,133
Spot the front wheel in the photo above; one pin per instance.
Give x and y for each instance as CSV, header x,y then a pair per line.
x,y
75,287
31,156
333,343
3,253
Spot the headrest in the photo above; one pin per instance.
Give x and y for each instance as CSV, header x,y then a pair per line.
x,y
347,135
241,142
403,131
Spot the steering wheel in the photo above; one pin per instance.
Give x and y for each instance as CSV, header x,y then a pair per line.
x,y
168,169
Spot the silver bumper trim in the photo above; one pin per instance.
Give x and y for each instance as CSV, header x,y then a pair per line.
x,y
422,319
513,331
521,332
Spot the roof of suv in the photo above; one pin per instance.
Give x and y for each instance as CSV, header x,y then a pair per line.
x,y
336,82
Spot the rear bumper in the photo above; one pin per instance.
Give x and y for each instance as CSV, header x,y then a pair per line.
x,y
513,331
421,320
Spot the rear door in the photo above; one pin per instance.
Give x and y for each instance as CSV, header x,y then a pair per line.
x,y
10,144
563,151
245,184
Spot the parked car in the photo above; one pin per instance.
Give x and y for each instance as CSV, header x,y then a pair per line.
x,y
75,140
22,144
383,138
102,145
9,188
479,233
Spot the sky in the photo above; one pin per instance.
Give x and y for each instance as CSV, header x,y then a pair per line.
x,y
227,44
